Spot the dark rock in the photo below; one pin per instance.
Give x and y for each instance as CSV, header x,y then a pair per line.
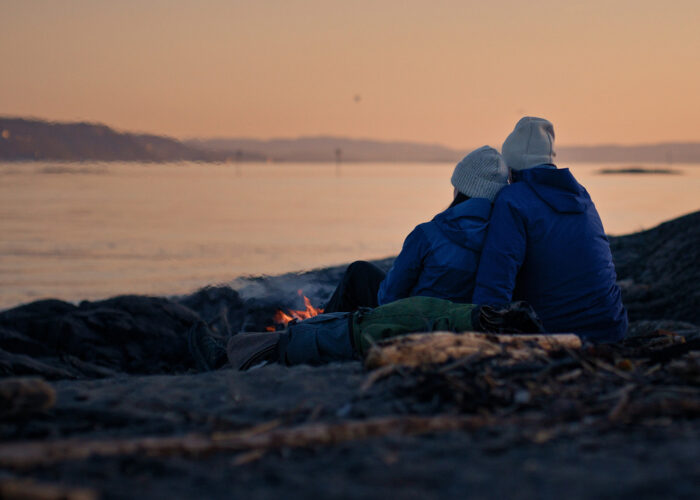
x,y
220,306
659,270
12,364
15,341
129,334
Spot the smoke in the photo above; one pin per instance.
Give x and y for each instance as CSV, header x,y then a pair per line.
x,y
283,291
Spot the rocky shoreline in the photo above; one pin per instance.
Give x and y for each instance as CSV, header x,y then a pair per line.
x,y
616,421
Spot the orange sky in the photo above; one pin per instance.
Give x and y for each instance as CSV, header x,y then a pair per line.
x,y
454,72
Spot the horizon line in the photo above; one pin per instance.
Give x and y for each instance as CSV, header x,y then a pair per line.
x,y
329,136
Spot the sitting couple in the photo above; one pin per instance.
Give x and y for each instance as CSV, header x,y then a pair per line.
x,y
538,239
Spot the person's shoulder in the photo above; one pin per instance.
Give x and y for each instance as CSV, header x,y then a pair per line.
x,y
512,193
428,228
420,231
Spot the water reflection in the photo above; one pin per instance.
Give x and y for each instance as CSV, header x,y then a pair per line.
x,y
165,229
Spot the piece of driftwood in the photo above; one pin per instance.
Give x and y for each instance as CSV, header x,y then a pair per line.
x,y
438,347
27,454
24,396
28,489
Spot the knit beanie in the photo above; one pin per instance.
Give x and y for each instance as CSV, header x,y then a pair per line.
x,y
481,174
531,143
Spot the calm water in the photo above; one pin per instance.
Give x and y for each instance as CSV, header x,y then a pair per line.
x,y
76,231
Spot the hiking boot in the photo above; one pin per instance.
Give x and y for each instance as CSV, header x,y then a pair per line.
x,y
252,349
516,317
206,348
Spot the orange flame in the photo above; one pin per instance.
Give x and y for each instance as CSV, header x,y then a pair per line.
x,y
283,318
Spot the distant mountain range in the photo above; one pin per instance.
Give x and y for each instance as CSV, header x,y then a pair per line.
x,y
666,152
326,148
330,148
29,139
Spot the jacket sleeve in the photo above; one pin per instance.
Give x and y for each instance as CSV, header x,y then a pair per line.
x,y
502,255
407,267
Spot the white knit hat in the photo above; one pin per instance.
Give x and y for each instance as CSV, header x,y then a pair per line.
x,y
481,174
531,143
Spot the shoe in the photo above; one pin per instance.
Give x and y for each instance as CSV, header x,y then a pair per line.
x,y
252,349
206,348
516,317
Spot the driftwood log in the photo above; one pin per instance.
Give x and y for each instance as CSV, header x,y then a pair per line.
x,y
438,347
24,396
28,489
28,454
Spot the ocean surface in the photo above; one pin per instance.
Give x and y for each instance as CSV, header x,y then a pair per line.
x,y
92,230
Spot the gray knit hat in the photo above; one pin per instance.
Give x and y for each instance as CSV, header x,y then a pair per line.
x,y
481,174
531,143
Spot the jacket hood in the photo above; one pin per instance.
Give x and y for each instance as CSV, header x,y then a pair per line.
x,y
556,187
458,223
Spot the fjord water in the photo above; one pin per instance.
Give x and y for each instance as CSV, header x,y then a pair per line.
x,y
87,230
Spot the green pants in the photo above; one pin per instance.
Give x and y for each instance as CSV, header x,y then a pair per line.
x,y
343,336
414,314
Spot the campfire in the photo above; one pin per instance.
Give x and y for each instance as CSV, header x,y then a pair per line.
x,y
282,318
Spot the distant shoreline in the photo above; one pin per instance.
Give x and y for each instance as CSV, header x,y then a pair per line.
x,y
23,140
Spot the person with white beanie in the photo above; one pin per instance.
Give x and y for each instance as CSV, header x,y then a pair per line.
x,y
546,244
440,257
531,144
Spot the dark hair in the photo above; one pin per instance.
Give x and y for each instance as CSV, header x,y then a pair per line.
x,y
458,199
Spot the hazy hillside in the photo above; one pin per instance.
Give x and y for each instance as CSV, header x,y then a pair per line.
x,y
23,139
671,152
324,148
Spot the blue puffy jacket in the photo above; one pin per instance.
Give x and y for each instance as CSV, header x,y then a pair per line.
x,y
546,245
439,258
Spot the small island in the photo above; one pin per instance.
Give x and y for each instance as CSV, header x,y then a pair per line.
x,y
640,170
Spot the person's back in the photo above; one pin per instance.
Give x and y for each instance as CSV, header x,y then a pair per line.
x,y
546,245
447,250
440,258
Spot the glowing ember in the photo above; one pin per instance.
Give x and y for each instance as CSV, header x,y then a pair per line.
x,y
283,318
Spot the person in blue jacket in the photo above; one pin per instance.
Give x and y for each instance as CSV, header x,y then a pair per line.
x,y
440,257
546,244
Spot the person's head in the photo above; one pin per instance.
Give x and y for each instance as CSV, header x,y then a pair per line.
x,y
480,174
531,143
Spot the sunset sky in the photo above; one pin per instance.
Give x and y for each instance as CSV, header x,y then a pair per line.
x,y
455,72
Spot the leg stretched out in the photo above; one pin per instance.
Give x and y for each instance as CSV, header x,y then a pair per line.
x,y
345,336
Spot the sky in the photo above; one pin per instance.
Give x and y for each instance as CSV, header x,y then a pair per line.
x,y
454,72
